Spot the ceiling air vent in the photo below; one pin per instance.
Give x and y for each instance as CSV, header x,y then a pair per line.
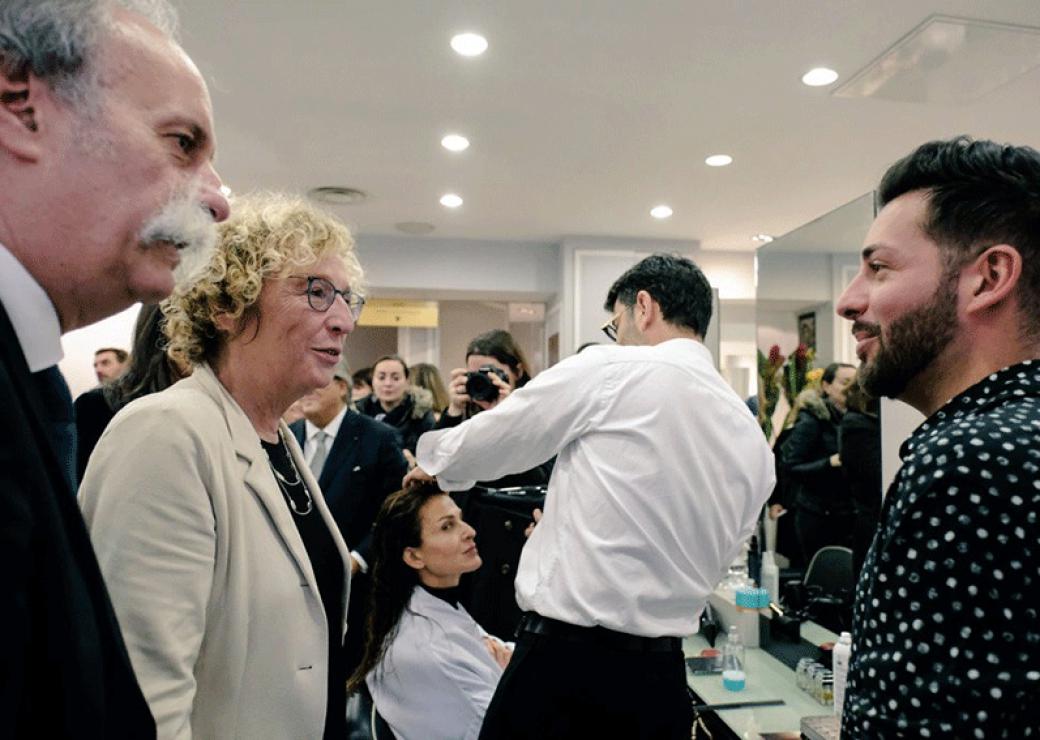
x,y
338,196
948,60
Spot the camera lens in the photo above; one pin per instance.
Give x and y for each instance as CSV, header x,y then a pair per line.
x,y
480,388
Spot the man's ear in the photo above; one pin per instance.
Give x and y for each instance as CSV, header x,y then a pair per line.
x,y
644,310
991,277
413,559
22,98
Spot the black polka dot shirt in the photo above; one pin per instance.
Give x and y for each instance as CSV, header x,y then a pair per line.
x,y
946,639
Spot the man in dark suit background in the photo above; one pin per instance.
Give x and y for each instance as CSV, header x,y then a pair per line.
x,y
358,463
106,138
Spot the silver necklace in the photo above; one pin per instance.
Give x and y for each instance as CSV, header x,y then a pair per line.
x,y
282,481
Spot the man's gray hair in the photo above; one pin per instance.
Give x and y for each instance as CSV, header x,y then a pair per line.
x,y
56,40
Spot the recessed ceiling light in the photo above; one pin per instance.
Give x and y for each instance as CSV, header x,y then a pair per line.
x,y
225,191
661,211
718,160
819,77
762,238
337,195
455,143
451,200
469,44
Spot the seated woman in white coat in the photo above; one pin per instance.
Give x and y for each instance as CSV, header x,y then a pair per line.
x,y
431,669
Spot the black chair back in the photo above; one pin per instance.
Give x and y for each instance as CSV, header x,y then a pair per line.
x,y
831,571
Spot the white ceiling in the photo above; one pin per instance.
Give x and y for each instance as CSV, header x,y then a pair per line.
x,y
582,115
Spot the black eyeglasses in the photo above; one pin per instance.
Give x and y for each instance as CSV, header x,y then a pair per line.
x,y
321,294
610,326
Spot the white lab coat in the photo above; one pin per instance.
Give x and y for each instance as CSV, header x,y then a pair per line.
x,y
437,677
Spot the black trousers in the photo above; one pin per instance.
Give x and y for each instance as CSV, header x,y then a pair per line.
x,y
557,688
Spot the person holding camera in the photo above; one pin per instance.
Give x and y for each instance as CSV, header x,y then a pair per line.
x,y
495,367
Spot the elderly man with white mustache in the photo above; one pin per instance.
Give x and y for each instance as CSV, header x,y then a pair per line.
x,y
106,180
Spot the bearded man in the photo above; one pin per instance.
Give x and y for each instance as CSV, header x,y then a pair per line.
x,y
946,314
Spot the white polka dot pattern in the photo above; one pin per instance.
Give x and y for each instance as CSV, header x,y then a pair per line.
x,y
946,636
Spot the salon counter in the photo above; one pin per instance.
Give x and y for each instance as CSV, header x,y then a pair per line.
x,y
767,679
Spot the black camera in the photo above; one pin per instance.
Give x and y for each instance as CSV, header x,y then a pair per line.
x,y
479,386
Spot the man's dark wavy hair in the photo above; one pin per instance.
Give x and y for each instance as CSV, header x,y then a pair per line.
x,y
980,193
675,282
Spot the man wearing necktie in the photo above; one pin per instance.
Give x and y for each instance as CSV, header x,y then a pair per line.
x,y
357,462
106,137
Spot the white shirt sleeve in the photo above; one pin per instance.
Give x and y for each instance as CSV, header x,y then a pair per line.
x,y
530,426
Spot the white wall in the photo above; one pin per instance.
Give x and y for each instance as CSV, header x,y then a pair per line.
x,y
898,420
460,322
792,283
366,344
80,345
438,268
590,264
531,338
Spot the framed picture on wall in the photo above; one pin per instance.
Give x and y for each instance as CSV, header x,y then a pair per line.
x,y
807,329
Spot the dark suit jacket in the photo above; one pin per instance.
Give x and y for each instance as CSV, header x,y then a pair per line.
x,y
64,670
92,416
364,466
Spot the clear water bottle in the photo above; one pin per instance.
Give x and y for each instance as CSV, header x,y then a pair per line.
x,y
842,654
733,676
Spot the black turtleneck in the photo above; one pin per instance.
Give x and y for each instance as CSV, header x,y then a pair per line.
x,y
449,594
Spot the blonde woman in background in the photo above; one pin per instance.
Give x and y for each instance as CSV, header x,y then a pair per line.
x,y
425,375
228,574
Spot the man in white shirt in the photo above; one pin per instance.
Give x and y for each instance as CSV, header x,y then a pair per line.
x,y
661,475
106,140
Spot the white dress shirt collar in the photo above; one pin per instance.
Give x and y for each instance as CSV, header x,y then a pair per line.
x,y
331,429
31,312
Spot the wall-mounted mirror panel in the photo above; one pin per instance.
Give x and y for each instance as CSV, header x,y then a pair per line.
x,y
800,277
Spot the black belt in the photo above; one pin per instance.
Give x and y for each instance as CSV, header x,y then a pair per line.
x,y
536,624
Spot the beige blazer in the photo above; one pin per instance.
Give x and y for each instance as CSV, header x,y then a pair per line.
x,y
209,577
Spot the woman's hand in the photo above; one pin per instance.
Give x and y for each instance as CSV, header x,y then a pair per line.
x,y
835,460
776,510
500,652
504,389
457,398
537,515
416,476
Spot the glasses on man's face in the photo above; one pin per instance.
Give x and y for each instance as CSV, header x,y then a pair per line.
x,y
610,326
321,294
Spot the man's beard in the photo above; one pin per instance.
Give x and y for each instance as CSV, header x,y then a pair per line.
x,y
914,341
188,225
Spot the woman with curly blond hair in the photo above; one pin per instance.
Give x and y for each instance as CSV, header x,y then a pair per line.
x,y
227,572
